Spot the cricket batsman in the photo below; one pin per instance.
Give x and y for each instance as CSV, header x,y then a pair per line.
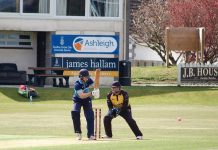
x,y
83,98
118,104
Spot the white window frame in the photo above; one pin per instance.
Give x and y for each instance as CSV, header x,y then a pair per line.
x,y
22,14
41,15
120,11
52,13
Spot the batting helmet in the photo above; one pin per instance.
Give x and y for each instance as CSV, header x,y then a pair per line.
x,y
116,84
83,73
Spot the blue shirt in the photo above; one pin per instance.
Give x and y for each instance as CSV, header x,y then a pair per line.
x,y
82,87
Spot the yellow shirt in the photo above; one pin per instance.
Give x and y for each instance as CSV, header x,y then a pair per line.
x,y
117,100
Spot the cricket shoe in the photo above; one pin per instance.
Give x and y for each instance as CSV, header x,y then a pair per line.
x,y
106,137
139,138
92,138
78,136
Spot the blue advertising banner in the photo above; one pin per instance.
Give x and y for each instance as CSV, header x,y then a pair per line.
x,y
75,63
57,62
87,44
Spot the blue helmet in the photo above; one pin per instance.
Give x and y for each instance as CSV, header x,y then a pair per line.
x,y
83,73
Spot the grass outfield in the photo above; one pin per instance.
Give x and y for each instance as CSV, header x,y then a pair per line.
x,y
154,74
46,124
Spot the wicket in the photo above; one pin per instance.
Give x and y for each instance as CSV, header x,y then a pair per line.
x,y
97,122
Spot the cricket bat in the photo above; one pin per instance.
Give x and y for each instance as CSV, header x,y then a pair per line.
x,y
97,78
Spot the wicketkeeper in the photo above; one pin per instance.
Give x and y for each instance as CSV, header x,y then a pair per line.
x,y
118,104
83,98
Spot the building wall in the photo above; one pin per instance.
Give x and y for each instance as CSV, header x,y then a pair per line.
x,y
144,56
46,24
24,58
102,27
52,24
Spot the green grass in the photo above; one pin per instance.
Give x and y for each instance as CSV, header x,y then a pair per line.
x,y
155,109
157,74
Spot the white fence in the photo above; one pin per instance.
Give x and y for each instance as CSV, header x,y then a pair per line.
x,y
144,63
197,74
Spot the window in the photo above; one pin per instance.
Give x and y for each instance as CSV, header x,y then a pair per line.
x,y
15,40
104,8
2,36
45,8
36,6
9,6
70,7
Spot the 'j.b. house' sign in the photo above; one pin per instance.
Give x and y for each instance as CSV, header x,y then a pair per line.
x,y
197,74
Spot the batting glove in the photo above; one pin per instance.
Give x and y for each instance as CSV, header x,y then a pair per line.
x,y
96,93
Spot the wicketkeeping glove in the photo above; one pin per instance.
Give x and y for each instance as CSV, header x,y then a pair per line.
x,y
96,93
114,112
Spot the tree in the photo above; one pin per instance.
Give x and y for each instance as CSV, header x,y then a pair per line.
x,y
153,16
148,26
197,13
